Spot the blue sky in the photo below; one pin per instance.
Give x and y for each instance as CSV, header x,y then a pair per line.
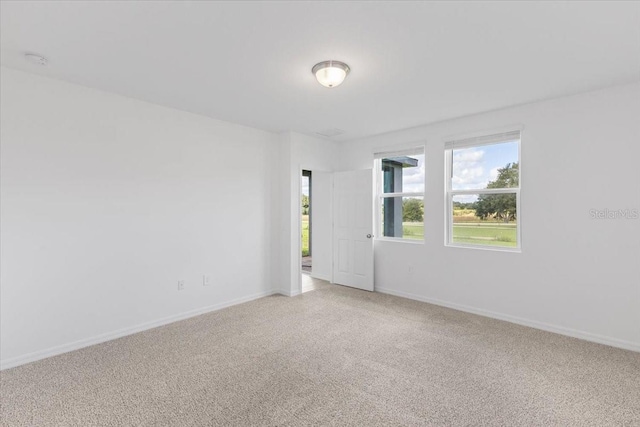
x,y
473,168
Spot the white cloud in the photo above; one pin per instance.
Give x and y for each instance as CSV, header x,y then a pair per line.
x,y
493,174
469,171
471,155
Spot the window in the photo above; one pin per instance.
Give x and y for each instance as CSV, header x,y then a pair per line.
x,y
483,191
400,194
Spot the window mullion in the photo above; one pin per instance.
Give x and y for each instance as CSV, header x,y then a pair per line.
x,y
485,191
414,194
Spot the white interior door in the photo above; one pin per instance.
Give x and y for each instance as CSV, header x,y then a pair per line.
x,y
353,229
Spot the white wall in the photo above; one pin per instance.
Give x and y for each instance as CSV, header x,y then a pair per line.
x,y
107,201
575,275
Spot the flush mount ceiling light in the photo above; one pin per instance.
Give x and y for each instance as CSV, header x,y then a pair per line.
x,y
36,59
330,73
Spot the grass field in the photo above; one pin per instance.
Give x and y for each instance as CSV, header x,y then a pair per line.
x,y
466,229
305,235
478,233
493,234
413,230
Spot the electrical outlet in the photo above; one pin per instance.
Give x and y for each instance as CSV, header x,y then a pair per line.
x,y
206,280
180,285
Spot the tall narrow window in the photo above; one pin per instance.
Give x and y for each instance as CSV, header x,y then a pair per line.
x,y
400,194
483,191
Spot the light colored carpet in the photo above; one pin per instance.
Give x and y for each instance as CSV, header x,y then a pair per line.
x,y
333,356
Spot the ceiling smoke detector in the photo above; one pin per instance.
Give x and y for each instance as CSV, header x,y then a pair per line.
x,y
36,59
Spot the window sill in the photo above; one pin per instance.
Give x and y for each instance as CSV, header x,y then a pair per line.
x,y
399,240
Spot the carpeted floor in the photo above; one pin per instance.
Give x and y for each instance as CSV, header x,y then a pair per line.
x,y
333,356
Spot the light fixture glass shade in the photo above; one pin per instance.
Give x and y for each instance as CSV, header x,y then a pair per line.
x,y
330,73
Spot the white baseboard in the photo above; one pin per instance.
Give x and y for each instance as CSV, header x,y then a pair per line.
x,y
76,345
587,336
288,292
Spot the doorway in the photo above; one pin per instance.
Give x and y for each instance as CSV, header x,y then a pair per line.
x,y
306,219
314,217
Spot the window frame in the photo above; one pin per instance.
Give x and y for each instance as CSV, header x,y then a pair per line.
x,y
380,195
450,193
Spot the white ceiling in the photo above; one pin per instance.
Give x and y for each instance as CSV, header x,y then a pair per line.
x,y
250,62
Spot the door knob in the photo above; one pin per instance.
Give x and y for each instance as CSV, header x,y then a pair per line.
x,y
369,236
